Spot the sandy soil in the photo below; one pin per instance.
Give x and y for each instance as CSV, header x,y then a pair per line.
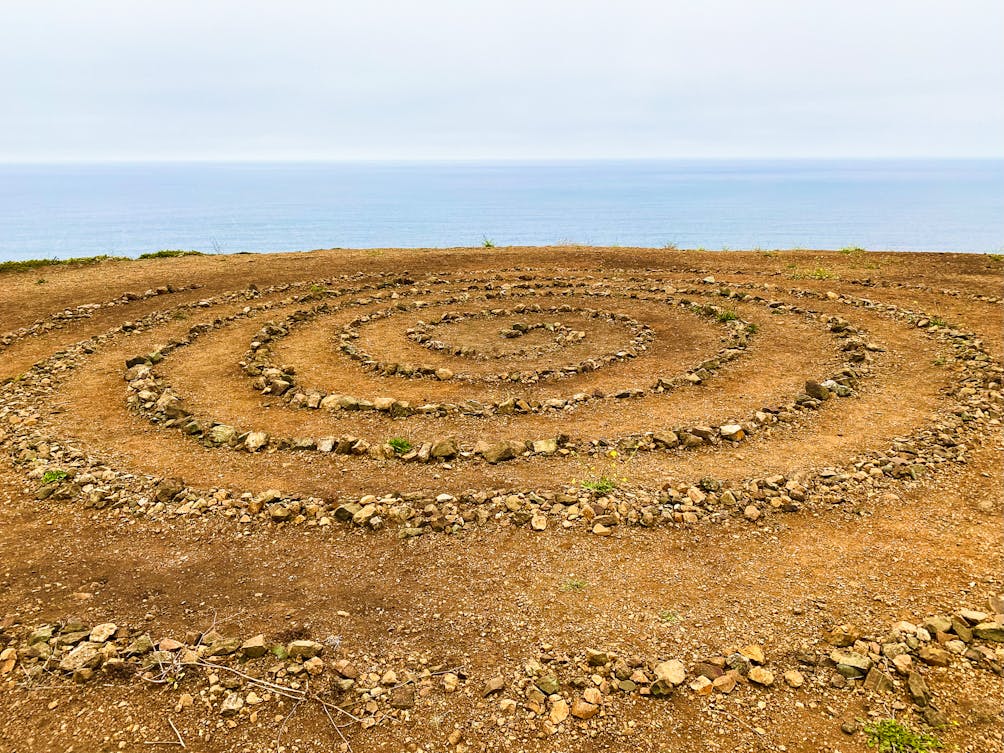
x,y
492,598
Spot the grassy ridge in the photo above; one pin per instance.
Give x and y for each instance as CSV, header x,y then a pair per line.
x,y
26,264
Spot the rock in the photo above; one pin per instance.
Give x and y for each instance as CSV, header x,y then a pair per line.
x,y
140,646
903,663
538,522
545,446
8,658
363,515
444,449
596,658
254,648
843,635
732,432
672,672
493,685
548,684
444,374
754,653
761,676
255,441
221,434
917,689
498,452
582,709
103,632
724,684
279,513
402,697
816,390
559,711
936,657
794,678
850,663
878,681
231,705
303,649
85,656
168,489
989,631
752,513
41,634
702,685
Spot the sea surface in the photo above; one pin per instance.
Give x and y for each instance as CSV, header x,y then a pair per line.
x,y
128,209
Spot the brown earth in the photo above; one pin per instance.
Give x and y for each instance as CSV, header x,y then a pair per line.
x,y
492,598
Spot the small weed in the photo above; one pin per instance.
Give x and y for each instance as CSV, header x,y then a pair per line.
x,y
769,254
487,242
169,254
40,281
669,616
54,477
852,251
700,249
601,485
752,328
726,248
400,445
937,321
996,257
939,361
726,315
573,584
819,273
891,736
670,247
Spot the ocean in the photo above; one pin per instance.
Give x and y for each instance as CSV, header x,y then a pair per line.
x,y
71,210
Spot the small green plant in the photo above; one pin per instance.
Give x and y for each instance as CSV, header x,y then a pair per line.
x,y
996,257
400,445
487,242
669,616
939,361
670,247
852,251
891,736
40,281
573,584
53,477
752,328
937,321
769,254
600,485
726,315
169,253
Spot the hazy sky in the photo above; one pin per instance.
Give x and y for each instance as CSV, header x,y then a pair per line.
x,y
289,79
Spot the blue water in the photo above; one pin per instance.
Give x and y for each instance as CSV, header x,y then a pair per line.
x,y
82,210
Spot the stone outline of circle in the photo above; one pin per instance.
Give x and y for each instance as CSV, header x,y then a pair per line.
x,y
988,372
532,351
255,367
637,345
349,444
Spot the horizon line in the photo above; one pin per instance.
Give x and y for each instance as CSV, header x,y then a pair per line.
x,y
492,159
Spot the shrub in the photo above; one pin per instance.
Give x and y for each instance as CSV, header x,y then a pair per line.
x,y
400,445
170,254
891,736
53,477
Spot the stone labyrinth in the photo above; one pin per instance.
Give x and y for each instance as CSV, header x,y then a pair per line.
x,y
427,405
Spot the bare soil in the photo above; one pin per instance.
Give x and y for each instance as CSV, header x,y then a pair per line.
x,y
491,599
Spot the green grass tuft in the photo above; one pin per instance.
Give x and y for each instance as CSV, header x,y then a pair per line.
x,y
573,584
53,477
169,254
852,251
487,242
891,736
601,485
400,445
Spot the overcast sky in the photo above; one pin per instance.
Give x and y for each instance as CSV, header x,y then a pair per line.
x,y
429,79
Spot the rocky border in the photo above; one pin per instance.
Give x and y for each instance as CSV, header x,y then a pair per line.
x,y
63,472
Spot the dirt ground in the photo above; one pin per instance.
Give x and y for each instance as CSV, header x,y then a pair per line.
x,y
493,600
